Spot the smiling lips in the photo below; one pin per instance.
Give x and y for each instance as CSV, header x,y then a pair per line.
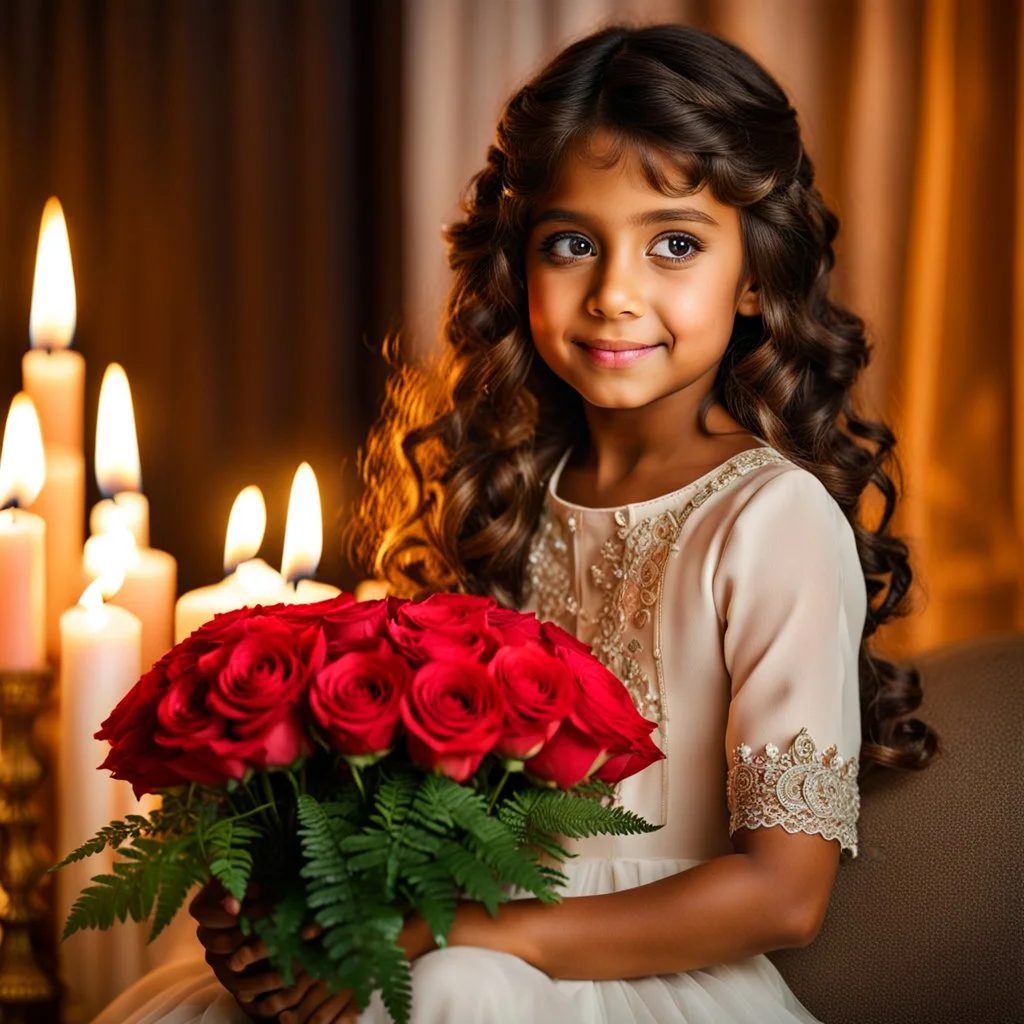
x,y
608,352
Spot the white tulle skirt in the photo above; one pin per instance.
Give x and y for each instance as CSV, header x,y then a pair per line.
x,y
464,985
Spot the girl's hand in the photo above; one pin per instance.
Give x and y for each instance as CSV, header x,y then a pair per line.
x,y
321,1006
217,915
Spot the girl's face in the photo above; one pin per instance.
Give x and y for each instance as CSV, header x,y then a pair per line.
x,y
632,293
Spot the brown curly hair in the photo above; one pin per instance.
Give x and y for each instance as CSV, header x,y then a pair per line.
x,y
455,468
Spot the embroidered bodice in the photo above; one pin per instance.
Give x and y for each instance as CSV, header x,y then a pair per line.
x,y
709,604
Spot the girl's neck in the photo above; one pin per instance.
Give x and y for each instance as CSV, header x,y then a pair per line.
x,y
637,454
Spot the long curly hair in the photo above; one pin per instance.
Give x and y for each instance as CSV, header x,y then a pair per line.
x,y
456,466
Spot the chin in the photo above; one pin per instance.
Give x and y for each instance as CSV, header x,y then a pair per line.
x,y
617,397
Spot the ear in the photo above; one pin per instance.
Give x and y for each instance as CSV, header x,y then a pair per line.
x,y
749,303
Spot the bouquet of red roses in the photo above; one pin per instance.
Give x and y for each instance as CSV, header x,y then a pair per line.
x,y
360,761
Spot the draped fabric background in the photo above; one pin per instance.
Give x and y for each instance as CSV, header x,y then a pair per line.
x,y
913,112
229,176
255,193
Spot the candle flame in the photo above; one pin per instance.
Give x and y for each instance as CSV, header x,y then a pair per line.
x,y
22,460
108,556
303,531
53,316
246,526
92,597
117,445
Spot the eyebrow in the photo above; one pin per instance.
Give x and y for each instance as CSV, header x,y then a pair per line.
x,y
683,213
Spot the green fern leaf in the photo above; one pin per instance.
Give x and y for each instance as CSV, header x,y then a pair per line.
x,y
113,835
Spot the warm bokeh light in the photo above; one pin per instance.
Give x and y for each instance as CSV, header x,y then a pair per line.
x,y
54,312
304,530
117,444
22,460
108,556
92,597
246,526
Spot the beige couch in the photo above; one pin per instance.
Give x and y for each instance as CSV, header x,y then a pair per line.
x,y
927,924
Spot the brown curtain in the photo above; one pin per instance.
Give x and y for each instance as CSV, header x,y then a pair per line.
x,y
229,176
913,111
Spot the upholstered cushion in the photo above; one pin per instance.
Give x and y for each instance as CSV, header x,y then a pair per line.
x,y
926,925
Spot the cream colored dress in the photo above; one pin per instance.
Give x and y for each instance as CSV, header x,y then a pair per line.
x,y
732,610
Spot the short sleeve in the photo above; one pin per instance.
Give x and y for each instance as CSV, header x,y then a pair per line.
x,y
790,593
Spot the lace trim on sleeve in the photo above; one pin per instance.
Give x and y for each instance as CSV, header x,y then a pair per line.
x,y
803,790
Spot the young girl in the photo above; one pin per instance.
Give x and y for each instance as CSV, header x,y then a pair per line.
x,y
643,430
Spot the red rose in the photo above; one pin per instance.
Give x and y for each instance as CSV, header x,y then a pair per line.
x,y
129,729
453,713
345,621
444,627
603,725
515,628
539,693
187,727
356,700
559,639
260,670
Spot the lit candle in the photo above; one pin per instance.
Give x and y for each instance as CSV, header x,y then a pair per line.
x,y
54,375
249,580
304,541
150,578
22,541
100,660
118,467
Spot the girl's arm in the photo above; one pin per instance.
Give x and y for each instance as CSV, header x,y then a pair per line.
x,y
771,893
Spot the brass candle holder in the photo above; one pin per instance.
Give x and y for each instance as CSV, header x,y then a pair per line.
x,y
24,695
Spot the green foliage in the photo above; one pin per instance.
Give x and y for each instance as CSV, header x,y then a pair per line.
x,y
113,835
227,848
354,863
360,928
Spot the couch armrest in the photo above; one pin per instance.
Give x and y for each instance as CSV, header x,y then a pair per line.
x,y
926,924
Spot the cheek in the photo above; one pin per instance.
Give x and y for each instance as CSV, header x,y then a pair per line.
x,y
702,309
547,306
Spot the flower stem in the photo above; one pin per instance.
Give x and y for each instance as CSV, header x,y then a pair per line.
x,y
358,776
269,791
497,790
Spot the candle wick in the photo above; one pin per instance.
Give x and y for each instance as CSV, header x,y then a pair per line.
x,y
13,504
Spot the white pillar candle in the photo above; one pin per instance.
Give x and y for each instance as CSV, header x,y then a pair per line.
x,y
309,592
22,541
22,590
53,375
61,503
253,582
150,581
100,648
55,378
129,508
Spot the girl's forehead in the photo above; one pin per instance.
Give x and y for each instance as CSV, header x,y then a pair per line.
x,y
603,156
602,169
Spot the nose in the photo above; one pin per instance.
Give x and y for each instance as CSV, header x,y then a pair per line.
x,y
616,290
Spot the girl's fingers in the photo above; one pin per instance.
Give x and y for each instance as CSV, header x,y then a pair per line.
x,y
287,997
318,1006
249,989
247,954
222,941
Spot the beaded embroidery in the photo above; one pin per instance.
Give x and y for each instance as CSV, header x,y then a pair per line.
x,y
803,790
629,579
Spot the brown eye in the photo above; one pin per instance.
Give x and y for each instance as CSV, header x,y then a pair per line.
x,y
675,247
569,247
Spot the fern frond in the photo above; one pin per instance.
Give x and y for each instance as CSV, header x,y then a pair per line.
x,y
114,835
